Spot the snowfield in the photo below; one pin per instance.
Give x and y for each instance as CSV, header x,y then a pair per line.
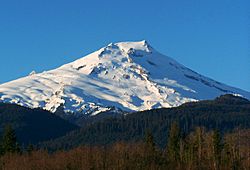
x,y
129,76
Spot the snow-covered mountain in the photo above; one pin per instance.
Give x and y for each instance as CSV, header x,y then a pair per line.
x,y
129,76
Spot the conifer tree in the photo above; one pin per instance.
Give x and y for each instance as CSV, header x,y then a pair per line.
x,y
199,140
9,141
150,149
173,145
217,148
150,144
30,148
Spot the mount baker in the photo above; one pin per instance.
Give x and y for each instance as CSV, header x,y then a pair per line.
x,y
126,76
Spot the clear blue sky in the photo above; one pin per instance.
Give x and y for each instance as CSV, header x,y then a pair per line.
x,y
210,37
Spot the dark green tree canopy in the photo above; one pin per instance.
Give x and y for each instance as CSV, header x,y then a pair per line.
x,y
9,141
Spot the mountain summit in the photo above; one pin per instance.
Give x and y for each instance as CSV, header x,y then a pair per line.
x,y
129,76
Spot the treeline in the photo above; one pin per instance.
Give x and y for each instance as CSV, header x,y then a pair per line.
x,y
200,149
224,113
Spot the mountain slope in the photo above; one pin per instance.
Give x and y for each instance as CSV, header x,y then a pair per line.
x,y
130,76
33,125
224,113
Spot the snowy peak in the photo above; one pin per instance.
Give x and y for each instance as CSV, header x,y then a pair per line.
x,y
136,46
128,76
114,54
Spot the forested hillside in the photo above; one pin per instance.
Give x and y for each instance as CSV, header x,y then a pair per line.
x,y
224,113
33,125
200,135
199,149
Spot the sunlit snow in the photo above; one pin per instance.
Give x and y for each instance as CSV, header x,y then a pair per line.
x,y
130,76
